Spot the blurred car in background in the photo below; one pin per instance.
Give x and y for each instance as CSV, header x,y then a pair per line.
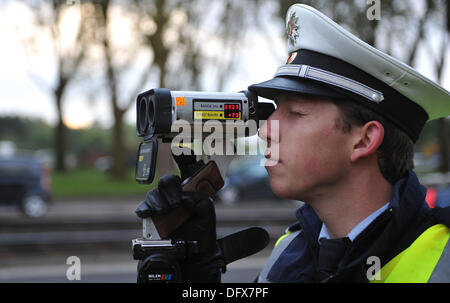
x,y
246,180
25,182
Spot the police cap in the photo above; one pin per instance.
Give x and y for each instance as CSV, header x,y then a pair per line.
x,y
327,60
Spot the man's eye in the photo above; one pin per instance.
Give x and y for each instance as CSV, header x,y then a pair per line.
x,y
296,113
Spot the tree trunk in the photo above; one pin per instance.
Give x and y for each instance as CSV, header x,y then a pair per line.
x,y
60,131
165,165
118,150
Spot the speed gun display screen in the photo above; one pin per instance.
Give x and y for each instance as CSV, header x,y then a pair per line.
x,y
232,111
208,110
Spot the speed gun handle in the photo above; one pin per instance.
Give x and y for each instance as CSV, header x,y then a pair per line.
x,y
207,181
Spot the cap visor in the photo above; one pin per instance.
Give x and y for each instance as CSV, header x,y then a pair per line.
x,y
272,88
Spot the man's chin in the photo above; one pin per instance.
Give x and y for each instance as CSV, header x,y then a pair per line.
x,y
282,191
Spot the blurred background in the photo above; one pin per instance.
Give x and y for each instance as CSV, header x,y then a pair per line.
x,y
70,73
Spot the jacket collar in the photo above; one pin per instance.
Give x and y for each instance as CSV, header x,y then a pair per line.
x,y
407,207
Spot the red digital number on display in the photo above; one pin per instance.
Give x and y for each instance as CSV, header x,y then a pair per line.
x,y
231,106
232,110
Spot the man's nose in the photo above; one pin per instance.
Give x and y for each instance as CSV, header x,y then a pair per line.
x,y
262,132
265,131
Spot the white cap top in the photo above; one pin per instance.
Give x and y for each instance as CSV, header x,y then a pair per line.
x,y
309,29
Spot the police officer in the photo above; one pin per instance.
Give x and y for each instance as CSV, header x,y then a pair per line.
x,y
348,117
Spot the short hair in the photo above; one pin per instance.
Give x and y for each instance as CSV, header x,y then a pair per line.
x,y
396,152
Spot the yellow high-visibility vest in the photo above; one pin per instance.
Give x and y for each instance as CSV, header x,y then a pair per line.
x,y
427,259
417,263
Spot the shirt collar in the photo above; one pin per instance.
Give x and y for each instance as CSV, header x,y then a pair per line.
x,y
358,228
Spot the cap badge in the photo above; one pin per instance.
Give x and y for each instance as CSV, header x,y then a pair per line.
x,y
292,28
291,57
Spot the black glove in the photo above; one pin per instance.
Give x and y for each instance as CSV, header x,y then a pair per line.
x,y
206,263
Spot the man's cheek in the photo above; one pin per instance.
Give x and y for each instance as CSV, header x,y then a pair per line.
x,y
307,164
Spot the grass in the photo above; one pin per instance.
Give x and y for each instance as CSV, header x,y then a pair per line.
x,y
94,183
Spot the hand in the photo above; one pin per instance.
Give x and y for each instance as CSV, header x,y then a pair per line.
x,y
205,264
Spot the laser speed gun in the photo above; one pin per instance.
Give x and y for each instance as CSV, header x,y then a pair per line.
x,y
185,116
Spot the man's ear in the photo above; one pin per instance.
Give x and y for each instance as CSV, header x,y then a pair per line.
x,y
367,140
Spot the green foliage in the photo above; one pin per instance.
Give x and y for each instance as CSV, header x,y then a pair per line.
x,y
94,138
94,183
26,133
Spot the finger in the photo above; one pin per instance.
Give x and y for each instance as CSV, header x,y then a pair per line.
x,y
191,200
170,188
143,211
187,163
156,203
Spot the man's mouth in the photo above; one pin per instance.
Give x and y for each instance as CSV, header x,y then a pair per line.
x,y
271,160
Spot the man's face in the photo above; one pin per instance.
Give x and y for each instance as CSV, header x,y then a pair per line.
x,y
314,154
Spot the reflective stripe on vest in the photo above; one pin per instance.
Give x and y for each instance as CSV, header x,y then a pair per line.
x,y
419,261
281,238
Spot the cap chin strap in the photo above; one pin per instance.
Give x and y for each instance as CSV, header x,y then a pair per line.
x,y
317,74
